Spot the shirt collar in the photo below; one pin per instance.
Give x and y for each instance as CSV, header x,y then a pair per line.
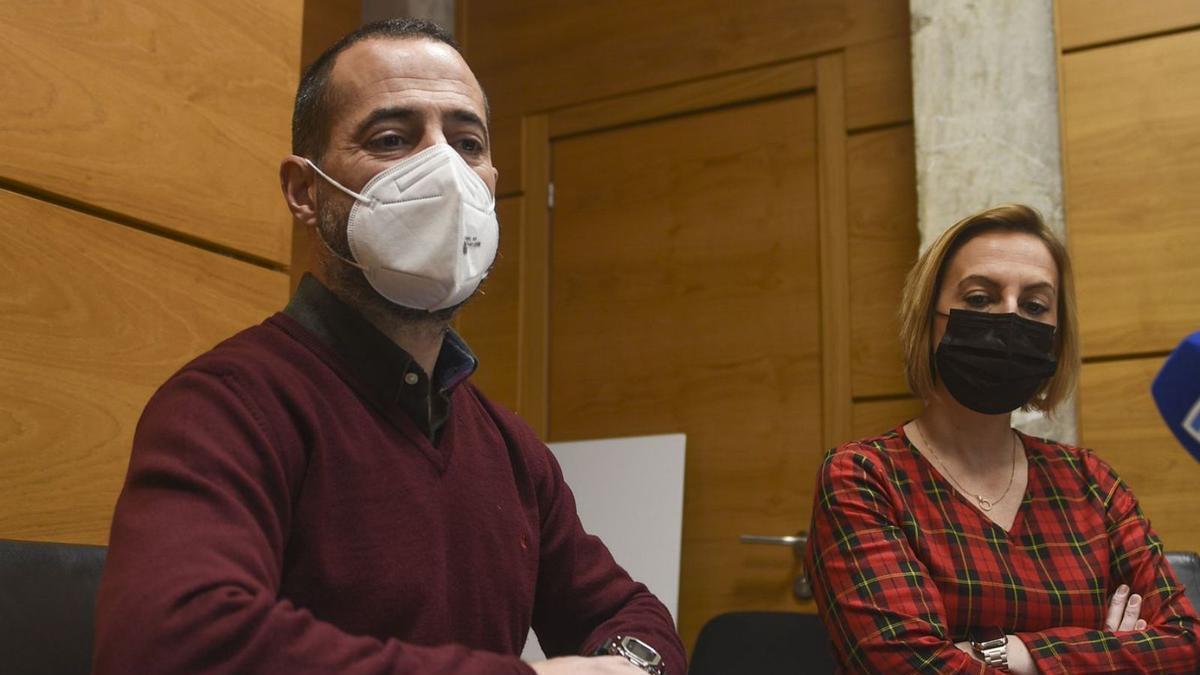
x,y
383,367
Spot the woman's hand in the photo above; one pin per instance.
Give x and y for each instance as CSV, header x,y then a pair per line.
x,y
1124,615
1124,611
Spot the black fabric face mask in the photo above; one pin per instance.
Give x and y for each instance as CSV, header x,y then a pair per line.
x,y
994,363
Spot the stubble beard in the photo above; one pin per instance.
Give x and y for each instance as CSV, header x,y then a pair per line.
x,y
350,283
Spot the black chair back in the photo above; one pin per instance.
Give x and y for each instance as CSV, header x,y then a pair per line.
x,y
763,643
1187,570
47,599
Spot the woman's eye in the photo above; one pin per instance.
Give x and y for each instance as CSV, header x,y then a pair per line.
x,y
1034,308
978,300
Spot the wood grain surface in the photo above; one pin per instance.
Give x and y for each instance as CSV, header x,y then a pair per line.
x,y
661,271
882,207
1118,419
1089,22
834,255
685,292
1130,128
96,317
874,417
539,55
172,113
879,82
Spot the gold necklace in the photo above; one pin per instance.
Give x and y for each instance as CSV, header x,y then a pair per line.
x,y
984,503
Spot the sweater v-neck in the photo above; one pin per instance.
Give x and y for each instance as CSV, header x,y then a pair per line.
x,y
383,373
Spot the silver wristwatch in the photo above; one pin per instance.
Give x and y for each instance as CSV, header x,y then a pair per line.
x,y
636,652
991,646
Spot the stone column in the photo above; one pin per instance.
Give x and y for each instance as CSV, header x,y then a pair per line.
x,y
986,120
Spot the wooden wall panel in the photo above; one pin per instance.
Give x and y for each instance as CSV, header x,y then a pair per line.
x,y
834,256
490,322
872,418
1130,91
879,83
96,317
883,246
537,55
1119,420
325,22
684,286
1132,199
1089,22
560,74
172,113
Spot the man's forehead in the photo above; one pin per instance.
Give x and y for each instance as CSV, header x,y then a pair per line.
x,y
415,67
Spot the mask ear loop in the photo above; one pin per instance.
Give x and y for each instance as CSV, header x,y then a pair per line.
x,y
354,195
351,193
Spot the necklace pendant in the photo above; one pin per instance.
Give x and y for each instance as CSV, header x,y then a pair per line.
x,y
983,503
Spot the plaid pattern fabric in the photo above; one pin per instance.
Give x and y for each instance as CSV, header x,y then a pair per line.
x,y
903,566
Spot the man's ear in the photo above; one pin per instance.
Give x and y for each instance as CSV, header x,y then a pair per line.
x,y
296,179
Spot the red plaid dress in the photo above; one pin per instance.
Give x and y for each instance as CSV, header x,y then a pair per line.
x,y
904,566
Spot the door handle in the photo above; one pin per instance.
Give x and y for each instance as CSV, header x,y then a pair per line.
x,y
801,587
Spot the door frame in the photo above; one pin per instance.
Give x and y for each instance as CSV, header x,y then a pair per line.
x,y
822,75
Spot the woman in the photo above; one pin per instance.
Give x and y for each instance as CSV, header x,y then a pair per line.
x,y
955,539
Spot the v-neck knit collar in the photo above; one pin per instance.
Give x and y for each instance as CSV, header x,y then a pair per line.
x,y
391,377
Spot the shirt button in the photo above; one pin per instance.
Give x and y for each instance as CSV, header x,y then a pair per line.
x,y
411,378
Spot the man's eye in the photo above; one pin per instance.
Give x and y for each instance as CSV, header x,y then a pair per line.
x,y
469,146
386,142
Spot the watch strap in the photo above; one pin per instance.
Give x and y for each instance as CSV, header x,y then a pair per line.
x,y
991,646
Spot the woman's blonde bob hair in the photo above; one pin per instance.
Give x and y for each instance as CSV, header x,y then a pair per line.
x,y
924,283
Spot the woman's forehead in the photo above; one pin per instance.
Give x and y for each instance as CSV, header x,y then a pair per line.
x,y
1003,256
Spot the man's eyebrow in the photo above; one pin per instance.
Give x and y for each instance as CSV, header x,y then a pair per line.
x,y
403,114
468,117
378,115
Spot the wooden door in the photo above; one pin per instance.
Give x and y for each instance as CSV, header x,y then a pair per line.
x,y
684,297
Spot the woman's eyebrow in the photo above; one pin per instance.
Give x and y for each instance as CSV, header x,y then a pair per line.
x,y
984,280
978,279
1039,286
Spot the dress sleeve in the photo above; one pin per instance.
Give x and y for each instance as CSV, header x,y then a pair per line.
x,y
195,560
883,612
583,596
1169,642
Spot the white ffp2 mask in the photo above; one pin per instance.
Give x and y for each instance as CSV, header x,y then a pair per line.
x,y
424,230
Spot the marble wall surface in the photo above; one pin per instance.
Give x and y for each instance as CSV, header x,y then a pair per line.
x,y
986,122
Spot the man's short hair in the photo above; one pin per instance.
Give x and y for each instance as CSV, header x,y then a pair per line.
x,y
924,283
314,97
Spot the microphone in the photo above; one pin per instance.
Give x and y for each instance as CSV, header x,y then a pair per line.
x,y
1176,391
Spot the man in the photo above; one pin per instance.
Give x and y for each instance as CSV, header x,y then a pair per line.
x,y
326,492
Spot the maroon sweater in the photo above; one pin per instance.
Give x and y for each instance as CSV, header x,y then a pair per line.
x,y
273,521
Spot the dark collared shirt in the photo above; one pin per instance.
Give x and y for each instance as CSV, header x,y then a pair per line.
x,y
395,383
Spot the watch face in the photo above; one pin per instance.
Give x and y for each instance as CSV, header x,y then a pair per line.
x,y
640,654
640,649
987,636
